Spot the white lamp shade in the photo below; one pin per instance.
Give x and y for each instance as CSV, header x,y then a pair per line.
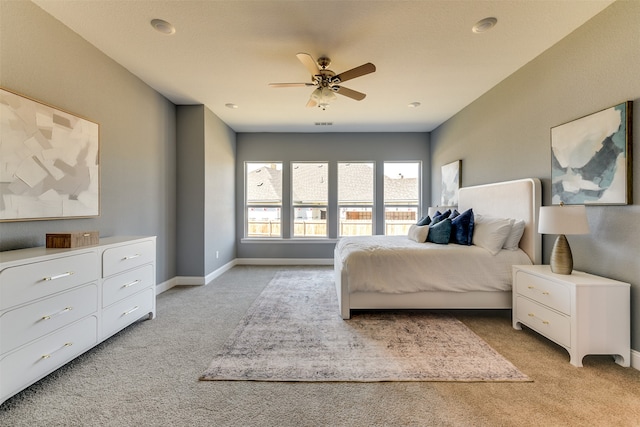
x,y
563,219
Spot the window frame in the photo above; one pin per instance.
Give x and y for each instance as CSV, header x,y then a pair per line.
x,y
248,206
371,207
293,205
417,205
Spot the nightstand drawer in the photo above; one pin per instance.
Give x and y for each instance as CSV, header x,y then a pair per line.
x,y
544,291
547,322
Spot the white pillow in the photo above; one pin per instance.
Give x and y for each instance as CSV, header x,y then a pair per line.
x,y
418,233
513,240
491,232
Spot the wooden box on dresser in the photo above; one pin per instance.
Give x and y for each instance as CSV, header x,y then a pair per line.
x,y
55,304
584,313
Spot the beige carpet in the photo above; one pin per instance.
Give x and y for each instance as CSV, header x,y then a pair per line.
x,y
293,332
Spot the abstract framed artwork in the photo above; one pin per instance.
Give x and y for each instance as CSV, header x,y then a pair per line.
x,y
49,162
450,183
591,158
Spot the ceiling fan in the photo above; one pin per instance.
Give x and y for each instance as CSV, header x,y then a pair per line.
x,y
326,82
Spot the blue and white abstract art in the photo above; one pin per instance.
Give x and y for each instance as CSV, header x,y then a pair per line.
x,y
591,159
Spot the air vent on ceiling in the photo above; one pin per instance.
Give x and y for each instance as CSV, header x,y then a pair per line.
x,y
324,123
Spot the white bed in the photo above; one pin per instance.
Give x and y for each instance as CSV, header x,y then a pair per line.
x,y
361,283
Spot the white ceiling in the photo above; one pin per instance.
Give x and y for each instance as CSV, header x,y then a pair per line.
x,y
229,51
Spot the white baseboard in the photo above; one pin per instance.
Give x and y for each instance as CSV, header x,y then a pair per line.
x,y
284,261
200,280
165,286
635,359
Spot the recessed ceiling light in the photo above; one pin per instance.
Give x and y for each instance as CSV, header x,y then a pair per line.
x,y
232,106
163,26
484,25
414,105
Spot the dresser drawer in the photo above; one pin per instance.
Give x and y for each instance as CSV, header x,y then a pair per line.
x,y
28,282
544,291
547,322
127,311
32,362
126,284
122,258
24,324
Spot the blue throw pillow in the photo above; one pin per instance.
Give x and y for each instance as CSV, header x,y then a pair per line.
x,y
425,220
454,214
440,216
440,232
462,228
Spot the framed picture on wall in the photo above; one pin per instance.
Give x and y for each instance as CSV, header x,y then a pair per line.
x,y
49,162
591,158
450,183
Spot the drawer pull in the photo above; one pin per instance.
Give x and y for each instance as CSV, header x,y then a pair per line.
x,y
67,344
533,287
66,310
130,284
131,257
59,276
544,322
131,311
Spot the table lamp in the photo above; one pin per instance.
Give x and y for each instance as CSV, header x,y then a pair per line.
x,y
562,220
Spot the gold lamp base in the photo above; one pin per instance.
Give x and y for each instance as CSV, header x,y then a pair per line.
x,y
561,258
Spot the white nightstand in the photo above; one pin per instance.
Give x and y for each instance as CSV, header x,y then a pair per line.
x,y
583,313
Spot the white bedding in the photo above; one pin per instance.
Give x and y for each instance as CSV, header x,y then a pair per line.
x,y
395,264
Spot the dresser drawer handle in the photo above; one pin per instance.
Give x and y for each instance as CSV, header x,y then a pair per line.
x,y
544,322
66,310
59,276
533,287
131,311
131,257
130,284
67,344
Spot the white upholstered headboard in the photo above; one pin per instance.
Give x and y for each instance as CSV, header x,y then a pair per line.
x,y
519,199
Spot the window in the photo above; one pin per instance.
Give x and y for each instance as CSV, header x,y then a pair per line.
x,y
349,189
263,199
309,198
401,196
355,198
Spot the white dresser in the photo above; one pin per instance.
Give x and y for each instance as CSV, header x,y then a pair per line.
x,y
584,313
55,304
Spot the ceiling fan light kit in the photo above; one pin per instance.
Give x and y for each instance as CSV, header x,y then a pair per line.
x,y
327,82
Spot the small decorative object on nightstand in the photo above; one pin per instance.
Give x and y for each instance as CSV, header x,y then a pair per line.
x,y
562,220
583,313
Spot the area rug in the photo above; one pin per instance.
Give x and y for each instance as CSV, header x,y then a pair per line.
x,y
293,332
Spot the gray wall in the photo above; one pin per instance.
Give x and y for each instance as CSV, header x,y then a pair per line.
x,y
206,197
378,147
43,59
220,196
505,134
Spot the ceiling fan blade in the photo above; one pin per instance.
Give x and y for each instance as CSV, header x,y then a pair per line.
x,y
291,84
354,72
353,94
310,63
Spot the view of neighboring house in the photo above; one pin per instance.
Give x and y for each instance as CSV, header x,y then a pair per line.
x,y
310,199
